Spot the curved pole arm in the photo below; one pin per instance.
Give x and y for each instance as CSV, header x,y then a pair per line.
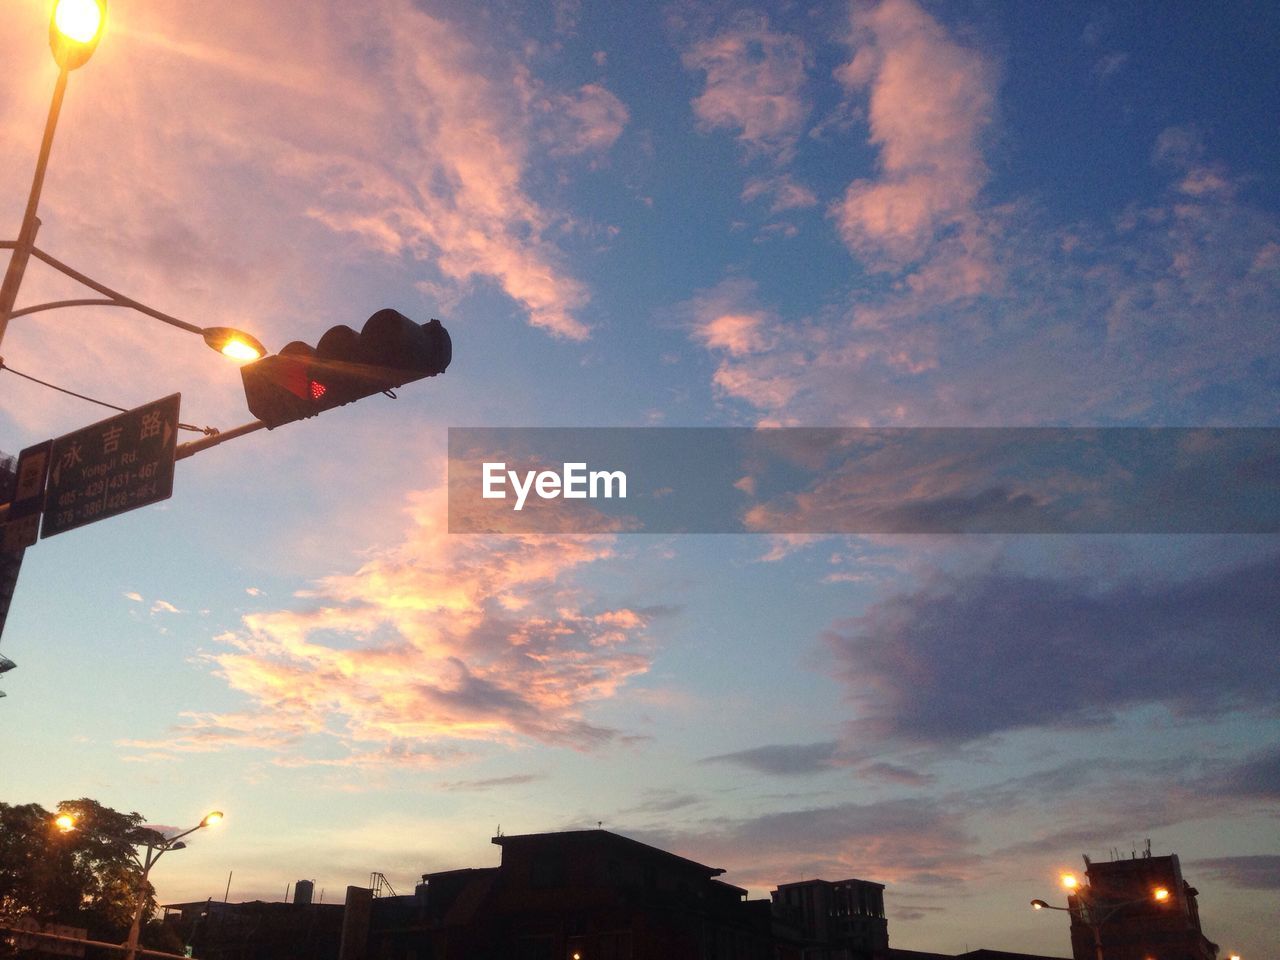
x,y
115,297
58,304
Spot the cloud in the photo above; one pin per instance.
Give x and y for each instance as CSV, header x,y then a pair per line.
x,y
1161,316
440,641
490,783
783,759
895,773
663,801
785,192
735,333
755,80
453,191
981,318
930,100
976,654
1257,872
893,841
1100,803
1256,778
590,120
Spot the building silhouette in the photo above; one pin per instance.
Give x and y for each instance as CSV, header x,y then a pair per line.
x,y
592,894
1122,917
575,895
832,920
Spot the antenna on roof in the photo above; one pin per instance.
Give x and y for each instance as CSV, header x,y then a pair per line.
x,y
599,824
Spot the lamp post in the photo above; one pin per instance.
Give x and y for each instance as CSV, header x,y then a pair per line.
x,y
155,849
1093,913
74,31
154,852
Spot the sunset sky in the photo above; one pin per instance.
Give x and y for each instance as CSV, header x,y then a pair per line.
x,y
896,214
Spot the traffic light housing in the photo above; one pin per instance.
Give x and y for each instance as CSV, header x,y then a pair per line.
x,y
301,381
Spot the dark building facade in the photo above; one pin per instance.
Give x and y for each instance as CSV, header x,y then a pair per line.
x,y
576,895
257,930
586,894
1119,912
832,920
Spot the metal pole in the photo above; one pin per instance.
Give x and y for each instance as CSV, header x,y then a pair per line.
x,y
192,447
135,929
27,233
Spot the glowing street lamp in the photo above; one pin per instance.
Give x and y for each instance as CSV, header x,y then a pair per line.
x,y
75,29
1088,909
233,343
65,822
154,852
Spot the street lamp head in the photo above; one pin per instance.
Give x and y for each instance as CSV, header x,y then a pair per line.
x,y
1160,894
211,818
75,29
65,822
1038,904
234,343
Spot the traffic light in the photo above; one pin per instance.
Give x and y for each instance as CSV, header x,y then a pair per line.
x,y
301,381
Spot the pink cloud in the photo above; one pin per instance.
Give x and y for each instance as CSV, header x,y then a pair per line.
x,y
724,318
589,120
785,192
755,80
930,99
423,649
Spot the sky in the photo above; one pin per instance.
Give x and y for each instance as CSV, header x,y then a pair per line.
x,y
694,214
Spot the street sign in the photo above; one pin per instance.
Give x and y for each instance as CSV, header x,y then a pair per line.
x,y
115,465
22,525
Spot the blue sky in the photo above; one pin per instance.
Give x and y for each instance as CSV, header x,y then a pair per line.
x,y
691,214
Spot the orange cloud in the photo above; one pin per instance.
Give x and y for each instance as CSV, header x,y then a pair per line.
x,y
441,640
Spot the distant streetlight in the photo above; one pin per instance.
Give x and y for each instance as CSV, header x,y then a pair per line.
x,y
74,31
1093,913
154,852
65,822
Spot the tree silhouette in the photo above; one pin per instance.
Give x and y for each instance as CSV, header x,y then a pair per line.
x,y
88,876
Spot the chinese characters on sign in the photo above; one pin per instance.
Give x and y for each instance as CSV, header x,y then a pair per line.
x,y
118,464
22,525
